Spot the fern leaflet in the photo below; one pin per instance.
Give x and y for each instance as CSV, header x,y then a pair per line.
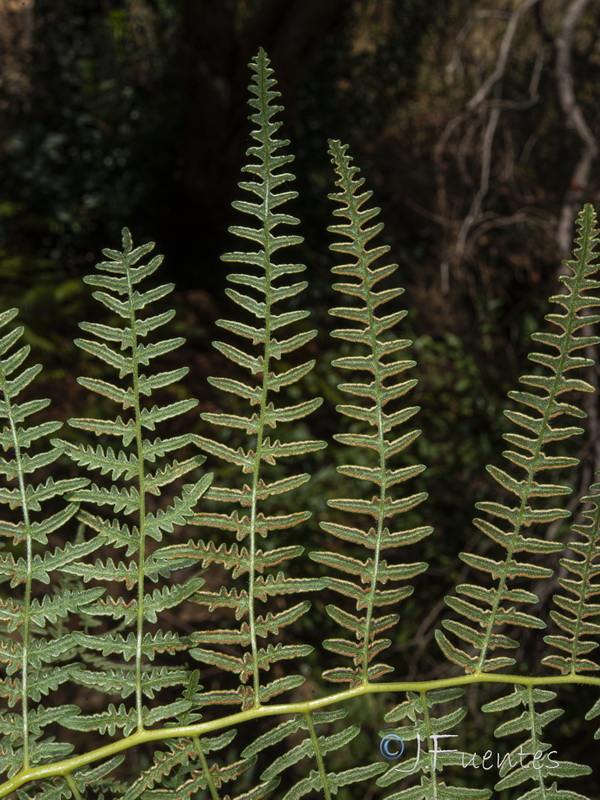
x,y
35,665
479,630
251,562
136,465
382,388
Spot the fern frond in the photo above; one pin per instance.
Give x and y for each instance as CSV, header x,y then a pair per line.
x,y
433,749
314,747
27,650
374,413
576,607
532,759
132,610
266,230
511,522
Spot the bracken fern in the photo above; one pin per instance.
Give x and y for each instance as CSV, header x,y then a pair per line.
x,y
249,523
382,389
128,645
96,569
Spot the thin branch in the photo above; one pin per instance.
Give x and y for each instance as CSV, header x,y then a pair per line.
x,y
488,110
498,73
574,120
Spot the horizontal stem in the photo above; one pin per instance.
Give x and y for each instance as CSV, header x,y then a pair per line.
x,y
189,731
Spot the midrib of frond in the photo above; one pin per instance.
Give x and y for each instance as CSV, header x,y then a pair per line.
x,y
318,755
585,580
564,354
429,733
25,636
535,743
210,784
139,439
264,111
382,493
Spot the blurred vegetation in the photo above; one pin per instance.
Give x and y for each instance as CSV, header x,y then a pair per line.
x,y
134,112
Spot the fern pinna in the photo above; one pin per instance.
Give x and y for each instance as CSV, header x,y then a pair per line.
x,y
488,608
377,411
257,529
532,457
37,643
377,392
129,641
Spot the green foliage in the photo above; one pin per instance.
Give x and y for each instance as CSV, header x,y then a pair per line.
x,y
104,602
251,525
380,392
540,434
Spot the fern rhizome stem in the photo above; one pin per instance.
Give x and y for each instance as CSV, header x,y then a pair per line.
x,y
579,276
258,712
139,439
25,635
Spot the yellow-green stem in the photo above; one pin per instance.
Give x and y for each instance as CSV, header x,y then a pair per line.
x,y
206,769
318,755
230,721
73,786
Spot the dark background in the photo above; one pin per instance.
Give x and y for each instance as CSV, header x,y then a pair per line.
x,y
466,122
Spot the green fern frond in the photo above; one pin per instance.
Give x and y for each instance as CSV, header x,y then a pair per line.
x,y
133,480
314,747
184,764
267,188
432,749
27,652
577,609
488,608
532,759
383,386
92,782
